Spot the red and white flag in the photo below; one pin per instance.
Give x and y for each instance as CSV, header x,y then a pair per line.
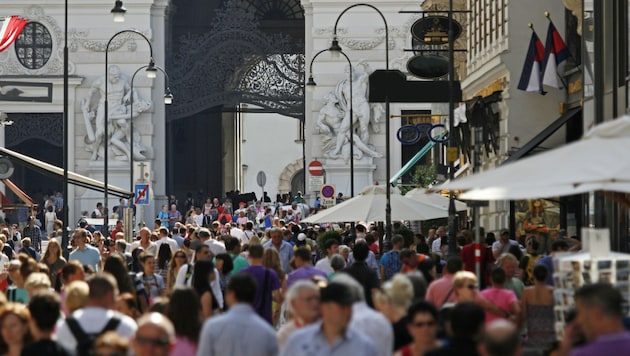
x,y
10,29
556,54
531,76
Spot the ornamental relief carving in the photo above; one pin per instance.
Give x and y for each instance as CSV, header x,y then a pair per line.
x,y
80,38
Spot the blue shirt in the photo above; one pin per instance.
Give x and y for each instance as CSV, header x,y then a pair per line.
x,y
310,341
90,256
179,239
239,332
391,264
163,215
286,253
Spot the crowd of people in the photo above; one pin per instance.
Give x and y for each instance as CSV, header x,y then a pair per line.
x,y
211,286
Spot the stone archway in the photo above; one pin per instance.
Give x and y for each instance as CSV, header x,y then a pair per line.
x,y
286,177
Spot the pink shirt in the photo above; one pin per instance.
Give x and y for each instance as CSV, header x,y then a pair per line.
x,y
500,297
184,347
439,289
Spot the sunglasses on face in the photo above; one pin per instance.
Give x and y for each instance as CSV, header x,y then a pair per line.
x,y
157,342
472,286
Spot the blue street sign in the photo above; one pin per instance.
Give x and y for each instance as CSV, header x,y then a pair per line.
x,y
141,194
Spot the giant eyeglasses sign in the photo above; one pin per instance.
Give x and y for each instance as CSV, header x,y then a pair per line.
x,y
412,134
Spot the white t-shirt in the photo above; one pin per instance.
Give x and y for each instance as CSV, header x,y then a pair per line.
x,y
93,320
324,265
171,242
180,280
216,247
152,249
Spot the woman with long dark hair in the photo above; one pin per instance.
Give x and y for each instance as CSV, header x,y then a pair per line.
x,y
179,259
163,261
203,274
127,282
224,265
184,311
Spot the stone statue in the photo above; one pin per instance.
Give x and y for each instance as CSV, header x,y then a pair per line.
x,y
334,118
119,112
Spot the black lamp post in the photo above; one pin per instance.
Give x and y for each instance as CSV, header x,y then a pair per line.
x,y
312,83
335,48
151,74
65,213
168,99
452,144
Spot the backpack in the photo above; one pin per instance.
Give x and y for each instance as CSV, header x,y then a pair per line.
x,y
85,341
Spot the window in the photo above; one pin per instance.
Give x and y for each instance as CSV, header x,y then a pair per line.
x,y
34,46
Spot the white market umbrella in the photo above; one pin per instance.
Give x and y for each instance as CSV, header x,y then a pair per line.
x,y
370,206
435,199
598,161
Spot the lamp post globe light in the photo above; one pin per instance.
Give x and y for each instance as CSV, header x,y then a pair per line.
x,y
168,100
151,71
311,83
119,11
336,49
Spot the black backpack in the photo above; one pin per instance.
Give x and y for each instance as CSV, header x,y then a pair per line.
x,y
85,341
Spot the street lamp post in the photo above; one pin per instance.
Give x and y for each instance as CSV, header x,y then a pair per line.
x,y
452,143
151,72
337,49
311,82
65,211
168,99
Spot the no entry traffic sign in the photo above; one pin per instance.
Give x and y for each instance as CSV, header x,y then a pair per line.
x,y
315,168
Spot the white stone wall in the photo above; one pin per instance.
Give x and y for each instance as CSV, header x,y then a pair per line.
x,y
270,144
90,26
362,36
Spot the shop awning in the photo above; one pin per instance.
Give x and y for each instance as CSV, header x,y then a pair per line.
x,y
7,204
73,178
543,135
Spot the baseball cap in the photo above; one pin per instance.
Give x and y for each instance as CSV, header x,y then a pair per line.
x,y
301,236
505,232
336,292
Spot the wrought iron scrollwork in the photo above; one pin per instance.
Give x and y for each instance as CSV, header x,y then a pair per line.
x,y
234,62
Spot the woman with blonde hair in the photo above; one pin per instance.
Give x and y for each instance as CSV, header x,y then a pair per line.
x,y
271,260
393,301
53,259
77,295
14,329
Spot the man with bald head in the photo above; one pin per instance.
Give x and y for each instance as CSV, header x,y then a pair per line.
x,y
501,339
145,242
155,336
